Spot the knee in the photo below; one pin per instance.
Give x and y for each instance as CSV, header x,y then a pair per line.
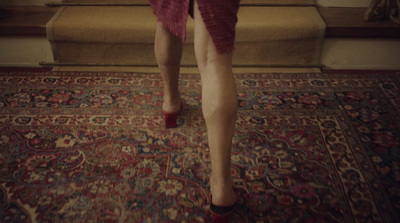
x,y
165,62
206,56
202,60
213,61
170,58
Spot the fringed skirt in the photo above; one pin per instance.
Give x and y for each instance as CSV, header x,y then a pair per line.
x,y
219,16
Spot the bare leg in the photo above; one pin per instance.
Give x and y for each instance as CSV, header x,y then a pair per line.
x,y
168,51
219,98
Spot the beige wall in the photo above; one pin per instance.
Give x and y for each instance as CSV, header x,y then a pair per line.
x,y
342,53
24,51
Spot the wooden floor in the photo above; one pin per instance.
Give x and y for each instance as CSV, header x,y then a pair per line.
x,y
341,22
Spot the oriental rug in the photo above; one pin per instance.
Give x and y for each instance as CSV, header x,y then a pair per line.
x,y
91,147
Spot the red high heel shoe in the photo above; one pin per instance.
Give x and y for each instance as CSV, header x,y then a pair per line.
x,y
221,214
171,118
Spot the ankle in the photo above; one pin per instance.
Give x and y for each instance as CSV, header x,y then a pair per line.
x,y
171,104
221,182
223,197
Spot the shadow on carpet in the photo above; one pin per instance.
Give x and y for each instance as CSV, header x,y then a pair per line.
x,y
91,147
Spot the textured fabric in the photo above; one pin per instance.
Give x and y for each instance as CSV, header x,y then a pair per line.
x,y
219,16
92,147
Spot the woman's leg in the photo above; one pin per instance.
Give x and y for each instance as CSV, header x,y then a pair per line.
x,y
219,99
168,51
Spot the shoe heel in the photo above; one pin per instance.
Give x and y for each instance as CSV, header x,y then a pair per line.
x,y
224,217
171,120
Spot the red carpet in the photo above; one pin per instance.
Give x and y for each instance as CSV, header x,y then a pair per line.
x,y
91,147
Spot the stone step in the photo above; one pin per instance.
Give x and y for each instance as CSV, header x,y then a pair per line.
x,y
116,35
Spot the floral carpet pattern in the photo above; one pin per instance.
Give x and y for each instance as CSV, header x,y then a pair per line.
x,y
91,147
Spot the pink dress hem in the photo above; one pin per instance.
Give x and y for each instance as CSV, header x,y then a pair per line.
x,y
219,16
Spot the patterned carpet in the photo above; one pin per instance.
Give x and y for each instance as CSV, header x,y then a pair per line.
x,y
91,147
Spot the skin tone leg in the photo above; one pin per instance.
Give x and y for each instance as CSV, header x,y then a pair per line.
x,y
219,98
219,101
168,51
